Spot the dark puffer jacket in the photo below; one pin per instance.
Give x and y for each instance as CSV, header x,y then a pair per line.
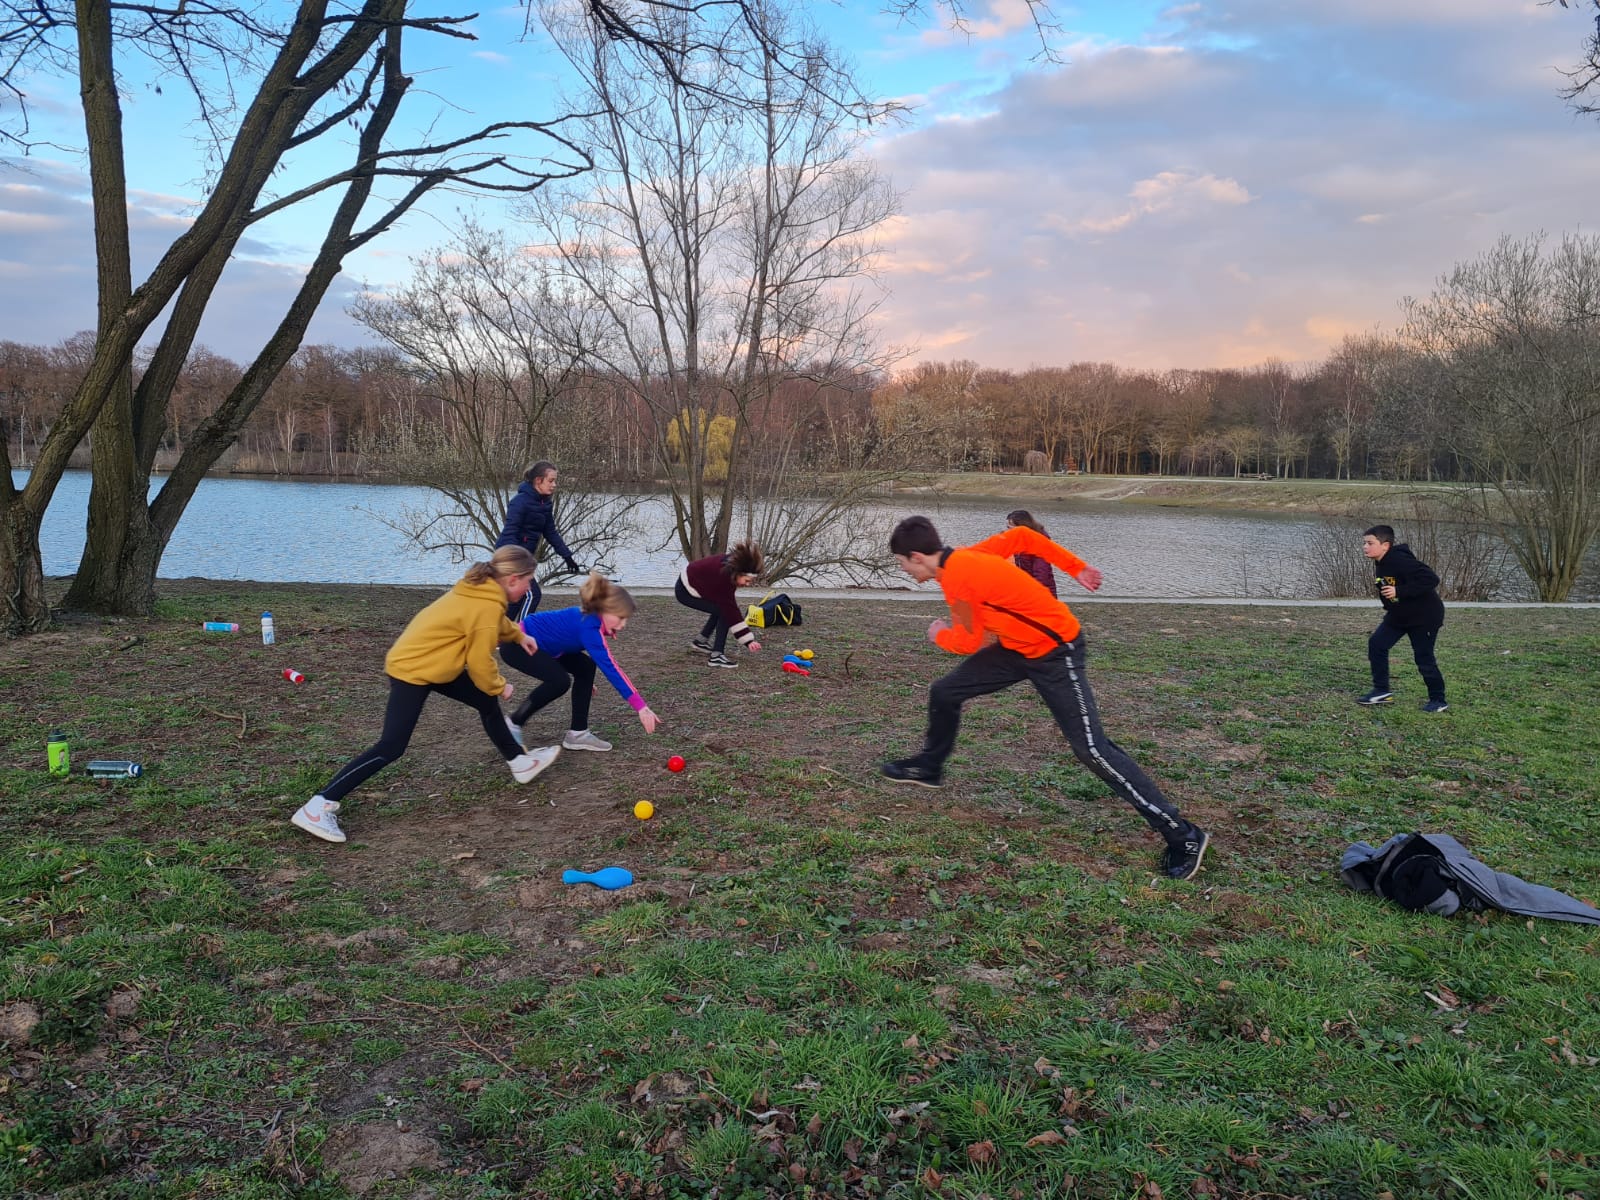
x,y
529,518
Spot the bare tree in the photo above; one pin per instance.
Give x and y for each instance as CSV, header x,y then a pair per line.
x,y
491,395
1094,410
727,242
1350,378
1584,79
1188,407
1280,391
1515,334
1044,401
286,83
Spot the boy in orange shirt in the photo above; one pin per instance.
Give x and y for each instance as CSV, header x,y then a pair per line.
x,y
1011,629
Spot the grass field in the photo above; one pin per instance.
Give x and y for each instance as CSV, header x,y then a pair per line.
x,y
1308,497
820,984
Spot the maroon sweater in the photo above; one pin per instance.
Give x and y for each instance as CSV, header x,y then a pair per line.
x,y
708,579
1039,569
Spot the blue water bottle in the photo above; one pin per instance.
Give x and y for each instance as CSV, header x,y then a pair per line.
x,y
268,634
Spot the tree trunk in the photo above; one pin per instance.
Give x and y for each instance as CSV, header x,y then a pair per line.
x,y
21,572
120,577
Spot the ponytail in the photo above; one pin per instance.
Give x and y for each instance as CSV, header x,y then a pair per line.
x,y
598,594
508,562
744,559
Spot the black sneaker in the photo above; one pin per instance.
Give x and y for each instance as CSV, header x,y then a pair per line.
x,y
702,644
1376,696
1182,861
1434,706
907,771
720,660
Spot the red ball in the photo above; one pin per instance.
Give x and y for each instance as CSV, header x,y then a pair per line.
x,y
675,763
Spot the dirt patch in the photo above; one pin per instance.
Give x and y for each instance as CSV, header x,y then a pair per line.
x,y
364,1156
398,1077
18,1020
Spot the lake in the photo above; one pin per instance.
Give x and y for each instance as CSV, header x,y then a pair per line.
x,y
321,532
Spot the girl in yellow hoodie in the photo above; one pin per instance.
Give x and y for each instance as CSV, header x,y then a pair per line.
x,y
448,648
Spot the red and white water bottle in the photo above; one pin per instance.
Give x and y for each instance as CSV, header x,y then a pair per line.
x,y
293,676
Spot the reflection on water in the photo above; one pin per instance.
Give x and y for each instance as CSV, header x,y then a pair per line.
x,y
320,532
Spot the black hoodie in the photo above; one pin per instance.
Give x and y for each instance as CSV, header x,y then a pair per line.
x,y
1416,603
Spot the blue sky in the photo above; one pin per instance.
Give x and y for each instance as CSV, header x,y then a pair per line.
x,y
1199,184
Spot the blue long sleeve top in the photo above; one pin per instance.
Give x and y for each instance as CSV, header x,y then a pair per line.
x,y
569,630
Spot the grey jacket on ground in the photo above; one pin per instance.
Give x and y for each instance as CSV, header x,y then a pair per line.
x,y
1367,868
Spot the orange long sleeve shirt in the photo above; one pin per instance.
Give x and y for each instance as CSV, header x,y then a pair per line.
x,y
990,595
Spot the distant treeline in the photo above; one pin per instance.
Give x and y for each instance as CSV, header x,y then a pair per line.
x,y
1370,411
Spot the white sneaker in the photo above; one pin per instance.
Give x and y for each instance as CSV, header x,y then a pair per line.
x,y
516,731
582,739
316,817
526,766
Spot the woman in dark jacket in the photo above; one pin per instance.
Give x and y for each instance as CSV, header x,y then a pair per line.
x,y
531,518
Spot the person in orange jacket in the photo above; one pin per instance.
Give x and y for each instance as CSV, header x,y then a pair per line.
x,y
1012,629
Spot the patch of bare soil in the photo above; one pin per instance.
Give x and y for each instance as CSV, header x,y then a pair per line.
x,y
447,841
363,1156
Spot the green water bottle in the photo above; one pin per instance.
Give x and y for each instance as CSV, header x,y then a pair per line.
x,y
60,754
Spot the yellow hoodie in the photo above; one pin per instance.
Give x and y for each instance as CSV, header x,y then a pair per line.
x,y
457,631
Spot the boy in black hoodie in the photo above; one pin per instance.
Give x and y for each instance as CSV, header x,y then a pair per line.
x,y
1411,608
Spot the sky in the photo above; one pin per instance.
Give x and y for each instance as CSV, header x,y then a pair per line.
x,y
1203,184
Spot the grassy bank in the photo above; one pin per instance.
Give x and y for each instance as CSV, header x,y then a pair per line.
x,y
1306,496
820,985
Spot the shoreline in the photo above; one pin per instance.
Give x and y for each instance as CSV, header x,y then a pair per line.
x,y
192,585
1299,497
1283,497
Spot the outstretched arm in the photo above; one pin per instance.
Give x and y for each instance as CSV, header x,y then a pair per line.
x,y
1019,539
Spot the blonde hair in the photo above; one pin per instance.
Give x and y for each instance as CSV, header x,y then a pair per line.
x,y
599,595
508,562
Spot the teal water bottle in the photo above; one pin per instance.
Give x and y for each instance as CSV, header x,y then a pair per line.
x,y
60,754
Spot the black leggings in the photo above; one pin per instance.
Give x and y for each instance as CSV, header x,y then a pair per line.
x,y
555,675
1059,679
1384,638
716,623
400,722
518,609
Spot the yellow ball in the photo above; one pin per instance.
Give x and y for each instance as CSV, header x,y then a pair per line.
x,y
644,810
805,654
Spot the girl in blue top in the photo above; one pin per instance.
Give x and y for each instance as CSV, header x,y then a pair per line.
x,y
571,643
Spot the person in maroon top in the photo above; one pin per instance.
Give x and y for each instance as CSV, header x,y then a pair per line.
x,y
708,585
1032,563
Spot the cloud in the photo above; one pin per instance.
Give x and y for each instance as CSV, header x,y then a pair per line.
x,y
48,262
999,19
1201,200
1177,193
